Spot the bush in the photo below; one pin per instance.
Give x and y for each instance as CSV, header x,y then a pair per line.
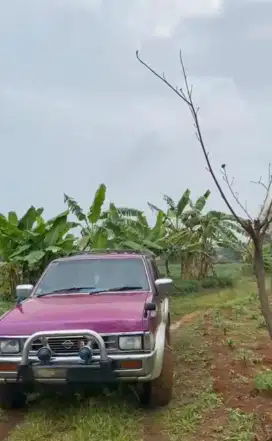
x,y
210,282
192,286
247,270
187,286
263,381
10,276
225,282
229,269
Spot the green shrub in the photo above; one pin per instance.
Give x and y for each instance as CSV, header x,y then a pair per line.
x,y
263,381
209,282
184,287
225,281
247,269
187,286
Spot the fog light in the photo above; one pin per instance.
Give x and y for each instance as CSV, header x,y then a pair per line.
x,y
85,354
44,354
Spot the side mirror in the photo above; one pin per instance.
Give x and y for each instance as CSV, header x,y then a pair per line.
x,y
164,286
23,291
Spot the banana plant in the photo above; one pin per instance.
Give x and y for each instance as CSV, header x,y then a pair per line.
x,y
181,242
31,242
129,228
115,227
93,233
193,235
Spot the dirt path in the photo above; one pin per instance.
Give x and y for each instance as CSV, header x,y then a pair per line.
x,y
188,318
152,429
9,421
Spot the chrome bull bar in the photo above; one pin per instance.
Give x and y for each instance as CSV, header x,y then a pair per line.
x,y
80,333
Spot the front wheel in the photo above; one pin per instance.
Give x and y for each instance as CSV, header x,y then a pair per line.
x,y
158,392
11,396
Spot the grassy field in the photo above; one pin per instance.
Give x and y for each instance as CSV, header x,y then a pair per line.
x,y
223,384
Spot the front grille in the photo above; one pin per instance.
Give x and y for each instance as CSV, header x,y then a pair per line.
x,y
70,345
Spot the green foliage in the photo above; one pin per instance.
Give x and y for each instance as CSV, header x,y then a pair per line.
x,y
263,381
94,212
183,287
183,232
193,237
247,269
28,244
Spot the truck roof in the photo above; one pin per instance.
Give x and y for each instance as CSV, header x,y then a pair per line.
x,y
103,254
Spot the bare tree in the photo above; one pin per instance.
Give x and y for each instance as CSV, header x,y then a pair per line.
x,y
256,228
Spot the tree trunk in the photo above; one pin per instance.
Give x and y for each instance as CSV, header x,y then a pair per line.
x,y
270,270
260,277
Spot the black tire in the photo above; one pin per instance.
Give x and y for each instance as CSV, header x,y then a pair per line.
x,y
12,396
158,392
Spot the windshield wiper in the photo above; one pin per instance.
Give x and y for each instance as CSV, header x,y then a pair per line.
x,y
64,290
118,289
89,288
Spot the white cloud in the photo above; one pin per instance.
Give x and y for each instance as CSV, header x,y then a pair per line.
x,y
160,18
259,32
91,5
72,93
84,113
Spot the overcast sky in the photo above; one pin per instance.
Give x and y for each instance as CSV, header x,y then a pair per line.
x,y
78,109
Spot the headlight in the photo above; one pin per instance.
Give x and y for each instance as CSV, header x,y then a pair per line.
x,y
9,346
149,341
130,343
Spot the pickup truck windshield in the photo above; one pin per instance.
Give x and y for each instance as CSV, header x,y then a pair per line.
x,y
87,275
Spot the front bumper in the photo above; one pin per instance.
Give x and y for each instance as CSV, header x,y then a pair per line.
x,y
104,368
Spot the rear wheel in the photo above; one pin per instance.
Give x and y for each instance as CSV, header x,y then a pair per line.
x,y
158,392
12,396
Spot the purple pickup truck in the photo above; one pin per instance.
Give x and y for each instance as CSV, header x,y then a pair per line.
x,y
93,320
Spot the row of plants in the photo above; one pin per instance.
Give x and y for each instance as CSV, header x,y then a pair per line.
x,y
184,287
183,232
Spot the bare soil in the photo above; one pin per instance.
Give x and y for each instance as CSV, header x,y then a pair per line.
x,y
238,355
9,421
153,430
186,319
234,380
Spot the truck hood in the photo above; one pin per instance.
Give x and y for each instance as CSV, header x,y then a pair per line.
x,y
104,313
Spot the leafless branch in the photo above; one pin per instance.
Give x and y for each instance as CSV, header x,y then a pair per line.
x,y
234,195
255,228
186,96
267,220
267,187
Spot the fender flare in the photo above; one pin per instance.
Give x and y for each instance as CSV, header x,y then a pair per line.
x,y
160,339
159,350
